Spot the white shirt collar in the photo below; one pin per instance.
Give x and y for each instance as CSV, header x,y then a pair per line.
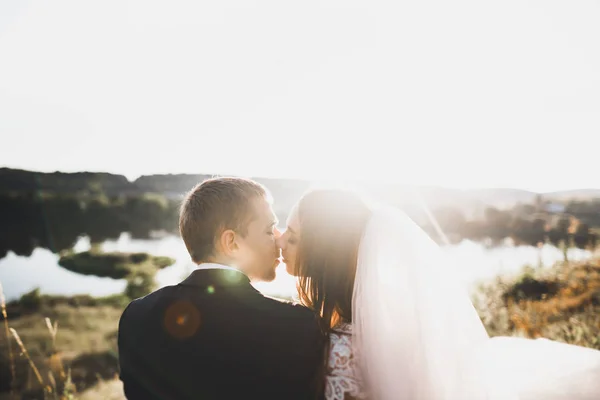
x,y
216,266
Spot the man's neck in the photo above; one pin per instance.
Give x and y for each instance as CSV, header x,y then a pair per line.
x,y
219,264
220,261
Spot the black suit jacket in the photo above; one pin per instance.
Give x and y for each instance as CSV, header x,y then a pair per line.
x,y
214,336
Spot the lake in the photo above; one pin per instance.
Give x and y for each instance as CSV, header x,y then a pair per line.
x,y
19,274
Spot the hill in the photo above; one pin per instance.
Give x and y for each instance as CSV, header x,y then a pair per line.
x,y
285,191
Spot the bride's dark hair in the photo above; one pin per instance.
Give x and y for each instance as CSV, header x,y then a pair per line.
x,y
332,223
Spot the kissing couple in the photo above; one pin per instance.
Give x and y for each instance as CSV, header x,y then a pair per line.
x,y
381,314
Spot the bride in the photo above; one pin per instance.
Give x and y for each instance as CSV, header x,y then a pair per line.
x,y
399,324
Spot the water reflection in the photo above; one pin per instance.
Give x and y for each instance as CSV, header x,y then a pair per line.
x,y
477,262
21,274
56,223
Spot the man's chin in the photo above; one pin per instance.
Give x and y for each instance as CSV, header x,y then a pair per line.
x,y
265,276
269,277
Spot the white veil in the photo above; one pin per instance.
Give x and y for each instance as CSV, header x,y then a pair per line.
x,y
417,335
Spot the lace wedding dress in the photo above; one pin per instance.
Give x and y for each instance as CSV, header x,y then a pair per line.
x,y
342,381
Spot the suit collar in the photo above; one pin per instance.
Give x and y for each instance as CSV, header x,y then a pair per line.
x,y
204,277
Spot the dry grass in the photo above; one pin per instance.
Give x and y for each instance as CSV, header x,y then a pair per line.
x,y
67,352
561,303
11,358
27,356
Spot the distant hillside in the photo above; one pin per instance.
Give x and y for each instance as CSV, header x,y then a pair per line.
x,y
285,191
16,180
500,197
578,194
170,185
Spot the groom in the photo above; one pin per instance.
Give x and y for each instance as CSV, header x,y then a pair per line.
x,y
214,336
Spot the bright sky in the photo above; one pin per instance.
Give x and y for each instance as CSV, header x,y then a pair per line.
x,y
463,93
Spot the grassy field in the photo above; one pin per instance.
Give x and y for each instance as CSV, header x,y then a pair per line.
x,y
75,353
75,349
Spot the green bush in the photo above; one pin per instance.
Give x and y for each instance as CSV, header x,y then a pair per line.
x,y
31,301
139,285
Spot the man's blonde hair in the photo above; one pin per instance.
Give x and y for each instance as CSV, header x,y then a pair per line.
x,y
214,206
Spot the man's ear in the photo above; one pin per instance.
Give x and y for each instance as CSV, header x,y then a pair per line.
x,y
228,242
